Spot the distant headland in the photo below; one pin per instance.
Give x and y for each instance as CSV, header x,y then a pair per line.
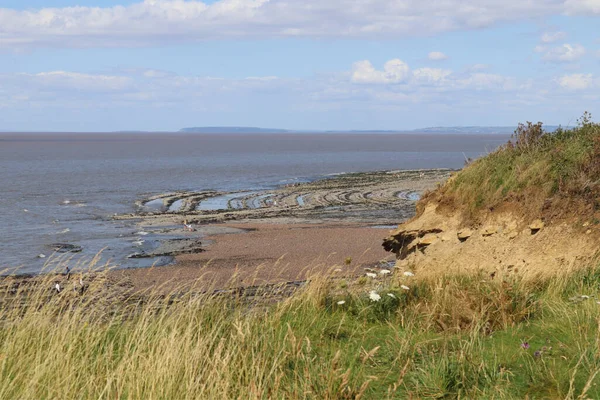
x,y
438,129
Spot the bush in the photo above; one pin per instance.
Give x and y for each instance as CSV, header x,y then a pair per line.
x,y
535,171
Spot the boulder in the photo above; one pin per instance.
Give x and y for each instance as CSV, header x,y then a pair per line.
x,y
65,247
536,225
428,239
464,234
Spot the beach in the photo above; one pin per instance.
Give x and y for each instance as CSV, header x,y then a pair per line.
x,y
268,237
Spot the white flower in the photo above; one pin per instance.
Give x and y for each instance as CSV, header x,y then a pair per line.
x,y
585,296
408,273
371,275
405,287
385,272
391,295
374,296
341,302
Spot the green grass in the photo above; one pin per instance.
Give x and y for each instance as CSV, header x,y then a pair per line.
x,y
448,337
534,167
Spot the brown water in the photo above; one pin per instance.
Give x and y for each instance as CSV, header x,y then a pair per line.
x,y
65,187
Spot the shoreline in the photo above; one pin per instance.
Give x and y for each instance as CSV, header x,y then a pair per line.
x,y
266,237
333,216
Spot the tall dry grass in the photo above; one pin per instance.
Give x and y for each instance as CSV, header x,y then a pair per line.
x,y
436,337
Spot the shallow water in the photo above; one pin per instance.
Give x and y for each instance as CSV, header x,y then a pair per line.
x,y
66,187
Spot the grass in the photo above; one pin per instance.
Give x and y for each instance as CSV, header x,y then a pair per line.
x,y
429,336
444,337
533,171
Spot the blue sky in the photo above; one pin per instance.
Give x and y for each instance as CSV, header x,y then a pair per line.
x,y
369,64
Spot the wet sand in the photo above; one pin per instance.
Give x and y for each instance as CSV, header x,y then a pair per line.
x,y
269,253
279,235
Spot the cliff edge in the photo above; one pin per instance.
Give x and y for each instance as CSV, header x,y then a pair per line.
x,y
531,207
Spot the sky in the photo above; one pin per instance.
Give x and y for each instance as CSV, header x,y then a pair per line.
x,y
161,65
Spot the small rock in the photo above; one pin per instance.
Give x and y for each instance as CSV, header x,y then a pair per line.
x,y
428,240
536,225
489,231
586,224
588,231
464,234
513,234
65,247
41,256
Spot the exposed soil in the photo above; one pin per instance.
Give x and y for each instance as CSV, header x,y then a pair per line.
x,y
503,243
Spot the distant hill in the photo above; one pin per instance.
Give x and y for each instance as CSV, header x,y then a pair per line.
x,y
230,129
437,129
477,129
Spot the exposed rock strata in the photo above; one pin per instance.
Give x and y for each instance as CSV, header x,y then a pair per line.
x,y
437,243
374,197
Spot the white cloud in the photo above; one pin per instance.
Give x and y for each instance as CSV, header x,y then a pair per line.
x,y
551,37
113,100
582,7
485,81
394,71
563,53
437,56
79,81
576,81
430,75
158,21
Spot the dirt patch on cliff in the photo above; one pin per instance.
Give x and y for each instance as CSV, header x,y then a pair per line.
x,y
503,243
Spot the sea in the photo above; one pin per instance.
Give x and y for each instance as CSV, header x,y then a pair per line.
x,y
65,187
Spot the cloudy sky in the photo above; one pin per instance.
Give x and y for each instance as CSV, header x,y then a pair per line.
x,y
97,65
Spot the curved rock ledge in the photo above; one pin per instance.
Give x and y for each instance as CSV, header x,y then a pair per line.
x,y
372,197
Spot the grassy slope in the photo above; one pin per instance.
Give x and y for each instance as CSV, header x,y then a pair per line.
x,y
456,337
535,171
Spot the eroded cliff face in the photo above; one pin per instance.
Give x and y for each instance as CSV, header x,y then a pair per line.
x,y
437,242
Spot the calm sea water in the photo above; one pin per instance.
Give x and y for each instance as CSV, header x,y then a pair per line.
x,y
65,187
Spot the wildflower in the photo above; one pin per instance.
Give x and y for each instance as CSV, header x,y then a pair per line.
x,y
385,272
408,273
371,275
405,287
391,295
537,353
341,302
374,296
525,345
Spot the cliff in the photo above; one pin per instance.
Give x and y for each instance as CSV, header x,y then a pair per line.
x,y
531,207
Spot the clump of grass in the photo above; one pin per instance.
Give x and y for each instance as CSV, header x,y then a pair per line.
x,y
531,172
440,337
